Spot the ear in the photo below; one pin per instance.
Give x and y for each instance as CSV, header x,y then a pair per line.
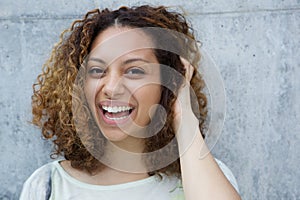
x,y
189,68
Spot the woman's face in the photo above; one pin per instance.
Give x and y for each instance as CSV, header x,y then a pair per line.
x,y
122,84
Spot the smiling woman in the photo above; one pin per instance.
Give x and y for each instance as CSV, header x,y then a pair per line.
x,y
124,105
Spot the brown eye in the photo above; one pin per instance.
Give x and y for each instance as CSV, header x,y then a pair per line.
x,y
135,71
96,72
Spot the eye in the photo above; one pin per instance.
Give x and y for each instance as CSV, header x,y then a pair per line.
x,y
96,72
135,71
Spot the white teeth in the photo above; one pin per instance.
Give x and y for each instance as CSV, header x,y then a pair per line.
x,y
116,118
116,109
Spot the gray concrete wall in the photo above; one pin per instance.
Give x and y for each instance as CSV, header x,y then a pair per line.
x,y
255,44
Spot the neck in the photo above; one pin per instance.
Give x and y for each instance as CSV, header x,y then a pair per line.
x,y
125,157
123,163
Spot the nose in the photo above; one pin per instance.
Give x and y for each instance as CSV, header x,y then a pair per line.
x,y
113,86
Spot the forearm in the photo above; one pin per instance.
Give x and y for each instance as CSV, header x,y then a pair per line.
x,y
202,178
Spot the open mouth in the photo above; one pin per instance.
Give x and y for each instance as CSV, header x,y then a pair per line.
x,y
115,114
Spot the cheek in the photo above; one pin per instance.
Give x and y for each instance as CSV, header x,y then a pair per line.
x,y
90,89
149,96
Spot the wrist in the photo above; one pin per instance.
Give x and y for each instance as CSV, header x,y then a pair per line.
x,y
187,130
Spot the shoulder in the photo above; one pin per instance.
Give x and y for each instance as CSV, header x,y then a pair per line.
x,y
37,186
228,173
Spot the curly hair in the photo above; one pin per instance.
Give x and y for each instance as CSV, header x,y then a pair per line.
x,y
54,97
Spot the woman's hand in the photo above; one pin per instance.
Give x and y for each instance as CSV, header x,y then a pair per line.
x,y
184,118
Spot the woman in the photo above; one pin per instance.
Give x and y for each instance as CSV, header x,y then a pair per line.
x,y
116,100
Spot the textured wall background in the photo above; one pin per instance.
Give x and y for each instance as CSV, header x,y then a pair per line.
x,y
255,44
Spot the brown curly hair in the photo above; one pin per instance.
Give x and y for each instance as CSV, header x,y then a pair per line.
x,y
53,93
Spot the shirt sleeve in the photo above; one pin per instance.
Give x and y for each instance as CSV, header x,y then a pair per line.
x,y
229,175
38,185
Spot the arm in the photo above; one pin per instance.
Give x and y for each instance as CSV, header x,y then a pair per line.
x,y
201,177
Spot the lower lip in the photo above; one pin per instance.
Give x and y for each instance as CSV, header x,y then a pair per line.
x,y
114,121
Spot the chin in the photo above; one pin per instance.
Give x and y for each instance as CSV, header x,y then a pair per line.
x,y
114,135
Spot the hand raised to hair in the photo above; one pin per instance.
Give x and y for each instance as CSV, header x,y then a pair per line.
x,y
183,114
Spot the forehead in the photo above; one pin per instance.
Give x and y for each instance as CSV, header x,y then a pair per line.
x,y
125,35
120,42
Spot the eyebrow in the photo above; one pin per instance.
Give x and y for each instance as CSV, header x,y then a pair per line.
x,y
125,62
97,60
135,60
